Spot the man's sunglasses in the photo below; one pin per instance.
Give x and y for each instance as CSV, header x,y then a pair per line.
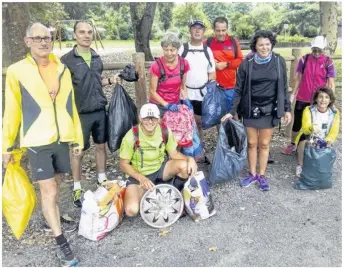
x,y
38,39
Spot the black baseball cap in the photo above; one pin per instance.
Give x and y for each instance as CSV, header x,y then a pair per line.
x,y
194,22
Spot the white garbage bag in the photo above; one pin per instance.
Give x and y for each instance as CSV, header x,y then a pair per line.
x,y
197,198
101,212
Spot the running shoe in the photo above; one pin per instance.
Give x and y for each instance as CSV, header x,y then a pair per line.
x,y
263,183
289,149
248,180
67,226
66,256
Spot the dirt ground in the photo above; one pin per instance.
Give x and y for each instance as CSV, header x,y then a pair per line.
x,y
281,227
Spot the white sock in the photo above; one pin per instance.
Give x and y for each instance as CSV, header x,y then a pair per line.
x,y
101,177
77,185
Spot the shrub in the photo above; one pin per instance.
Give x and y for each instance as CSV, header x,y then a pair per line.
x,y
294,39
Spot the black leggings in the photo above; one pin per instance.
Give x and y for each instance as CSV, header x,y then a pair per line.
x,y
298,110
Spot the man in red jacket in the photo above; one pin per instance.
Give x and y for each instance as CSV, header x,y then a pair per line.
x,y
227,55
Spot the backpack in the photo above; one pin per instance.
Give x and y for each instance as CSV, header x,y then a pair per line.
x,y
135,130
204,50
233,42
163,76
306,58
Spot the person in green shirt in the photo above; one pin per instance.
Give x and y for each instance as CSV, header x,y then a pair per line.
x,y
146,163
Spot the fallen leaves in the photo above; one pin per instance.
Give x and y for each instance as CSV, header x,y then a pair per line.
x,y
165,232
214,248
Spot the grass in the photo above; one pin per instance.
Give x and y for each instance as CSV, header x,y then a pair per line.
x,y
155,48
153,43
108,43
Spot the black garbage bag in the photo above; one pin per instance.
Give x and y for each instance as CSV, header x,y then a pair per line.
x,y
317,169
214,105
122,116
230,154
129,74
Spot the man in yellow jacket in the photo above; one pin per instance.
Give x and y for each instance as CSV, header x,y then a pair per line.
x,y
39,104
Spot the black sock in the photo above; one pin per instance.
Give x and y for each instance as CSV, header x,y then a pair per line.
x,y
60,240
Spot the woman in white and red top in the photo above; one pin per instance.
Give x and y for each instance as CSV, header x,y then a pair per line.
x,y
166,92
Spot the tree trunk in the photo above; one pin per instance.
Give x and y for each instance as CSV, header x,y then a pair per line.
x,y
142,27
15,19
329,24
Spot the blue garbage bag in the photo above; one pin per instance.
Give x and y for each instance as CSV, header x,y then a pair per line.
x,y
196,149
214,105
317,169
230,154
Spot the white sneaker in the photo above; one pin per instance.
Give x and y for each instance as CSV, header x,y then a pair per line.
x,y
298,171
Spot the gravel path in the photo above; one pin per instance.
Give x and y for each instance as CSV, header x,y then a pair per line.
x,y
282,227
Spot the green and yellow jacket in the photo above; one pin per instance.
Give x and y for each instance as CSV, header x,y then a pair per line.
x,y
28,106
307,123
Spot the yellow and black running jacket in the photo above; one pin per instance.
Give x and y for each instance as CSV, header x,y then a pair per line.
x,y
28,106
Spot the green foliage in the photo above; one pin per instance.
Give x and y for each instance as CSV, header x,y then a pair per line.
x,y
303,15
116,22
311,31
244,28
296,38
216,9
244,18
243,8
267,12
165,14
46,13
182,15
77,10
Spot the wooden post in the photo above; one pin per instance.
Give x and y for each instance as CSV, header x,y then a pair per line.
x,y
95,35
140,85
296,52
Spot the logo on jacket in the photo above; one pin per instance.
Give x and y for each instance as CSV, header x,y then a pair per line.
x,y
227,47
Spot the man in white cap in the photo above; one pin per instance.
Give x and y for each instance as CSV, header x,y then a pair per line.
x,y
148,155
314,70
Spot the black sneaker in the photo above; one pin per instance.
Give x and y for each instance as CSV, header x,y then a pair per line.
x,y
77,197
67,226
270,160
66,256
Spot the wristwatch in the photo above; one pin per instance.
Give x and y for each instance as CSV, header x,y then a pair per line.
x,y
227,64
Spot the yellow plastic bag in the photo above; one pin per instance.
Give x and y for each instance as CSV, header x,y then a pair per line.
x,y
18,196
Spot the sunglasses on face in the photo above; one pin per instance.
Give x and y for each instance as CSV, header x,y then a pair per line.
x,y
38,39
147,119
316,50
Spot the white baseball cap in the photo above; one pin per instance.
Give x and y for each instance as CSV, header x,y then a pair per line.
x,y
149,110
319,42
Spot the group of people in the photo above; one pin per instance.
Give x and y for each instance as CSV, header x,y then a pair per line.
x,y
57,104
